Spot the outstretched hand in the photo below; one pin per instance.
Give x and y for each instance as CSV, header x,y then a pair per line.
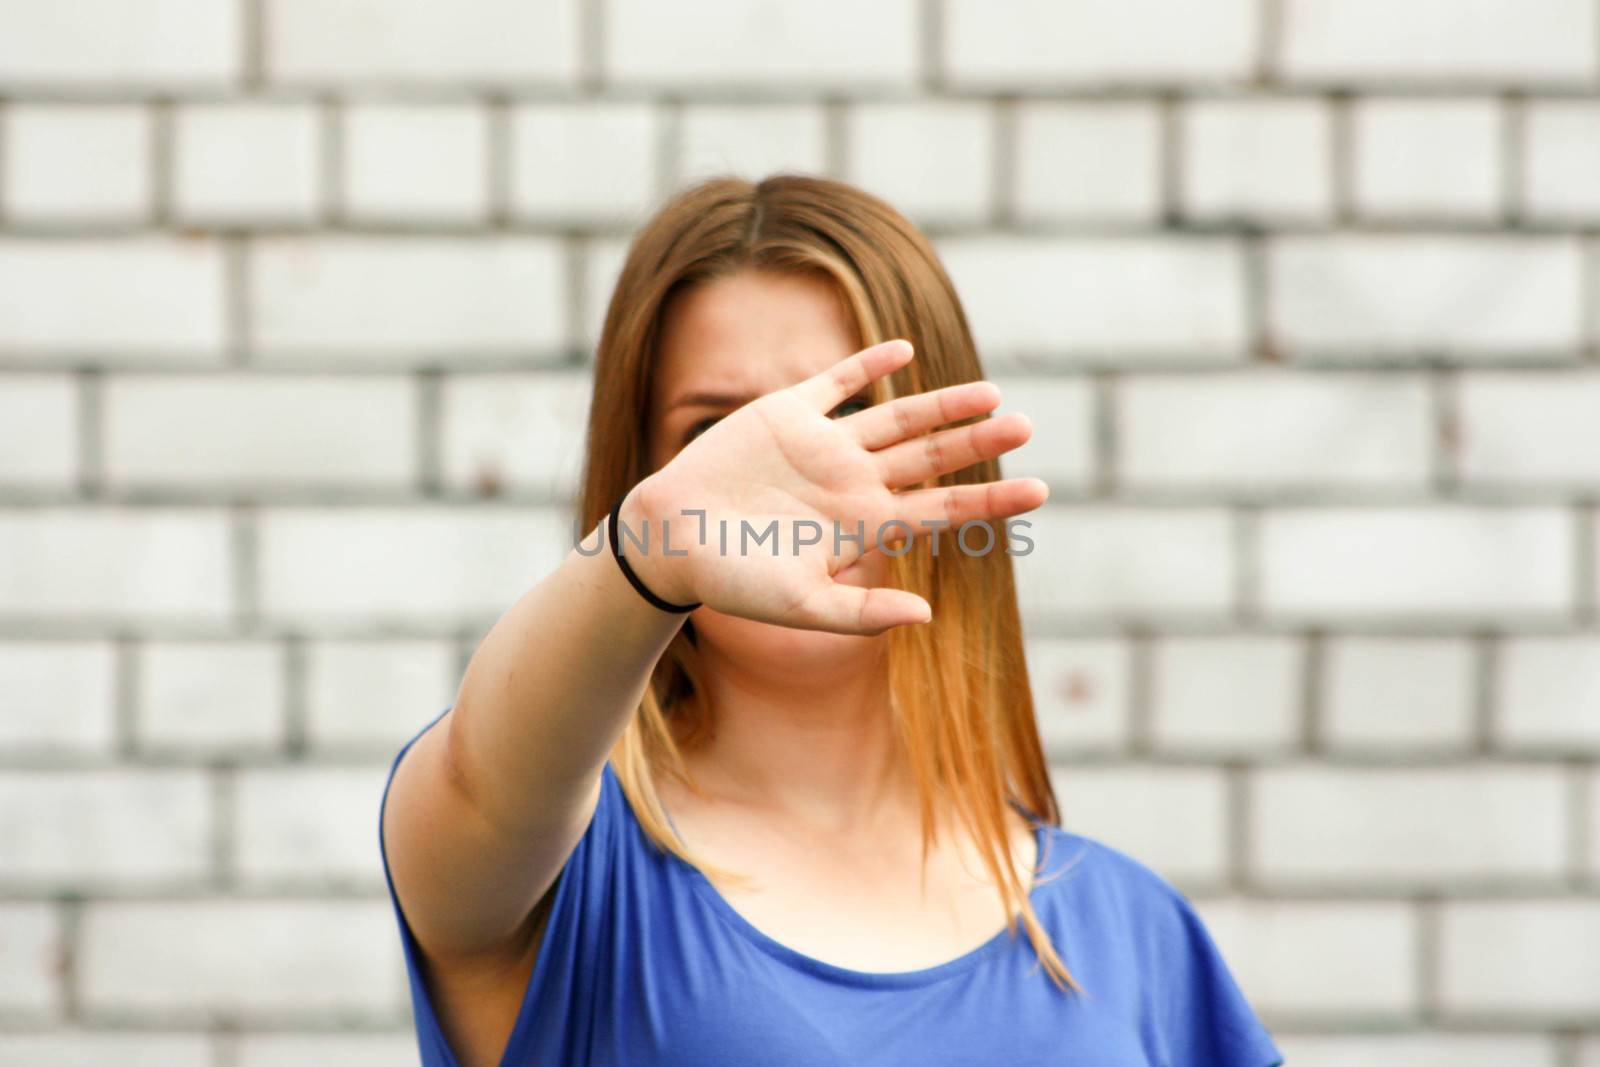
x,y
782,459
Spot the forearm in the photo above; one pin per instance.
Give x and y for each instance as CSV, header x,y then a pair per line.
x,y
487,805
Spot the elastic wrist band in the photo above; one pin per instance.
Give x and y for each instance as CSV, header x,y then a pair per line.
x,y
616,552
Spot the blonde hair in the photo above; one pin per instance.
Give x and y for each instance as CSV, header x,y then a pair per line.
x,y
960,699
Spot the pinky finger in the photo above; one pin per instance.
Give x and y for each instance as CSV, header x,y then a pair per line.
x,y
850,609
957,504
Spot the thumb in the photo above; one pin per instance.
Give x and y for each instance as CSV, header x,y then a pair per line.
x,y
850,609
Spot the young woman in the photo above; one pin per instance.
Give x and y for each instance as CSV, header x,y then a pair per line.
x,y
707,800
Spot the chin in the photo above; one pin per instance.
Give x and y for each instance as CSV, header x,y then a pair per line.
x,y
765,649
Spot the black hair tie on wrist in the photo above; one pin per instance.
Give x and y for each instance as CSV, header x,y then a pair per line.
x,y
616,552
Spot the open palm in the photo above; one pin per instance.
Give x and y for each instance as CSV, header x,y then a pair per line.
x,y
781,462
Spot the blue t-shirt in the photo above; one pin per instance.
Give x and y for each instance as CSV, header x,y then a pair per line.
x,y
644,963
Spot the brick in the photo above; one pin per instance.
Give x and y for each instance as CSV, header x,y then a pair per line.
x,y
932,161
241,433
601,265
519,433
1131,809
1081,693
126,564
1392,694
1409,826
416,162
1593,820
1037,44
210,697
767,45
32,959
1088,163
57,697
750,141
1366,953
347,1050
122,45
406,299
106,300
428,567
1547,693
342,43
1256,158
1418,1050
1121,299
94,1048
104,830
1227,695
246,163
1433,41
1526,959
1561,164
592,163
1529,429
1426,159
252,960
1273,431
309,827
1447,562
1425,295
1126,562
1062,448
38,431
371,696
79,164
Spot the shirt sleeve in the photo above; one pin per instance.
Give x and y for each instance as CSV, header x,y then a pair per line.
x,y
1205,1019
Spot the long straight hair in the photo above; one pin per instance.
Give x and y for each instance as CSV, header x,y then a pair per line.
x,y
962,708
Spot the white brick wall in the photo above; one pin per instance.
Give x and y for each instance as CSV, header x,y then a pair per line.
x,y
58,697
1397,694
1088,163
1261,432
127,46
75,163
392,300
246,163
128,829
39,432
1421,41
1257,158
420,163
1172,298
298,301
1561,171
1533,959
1036,44
1410,295
155,298
499,43
263,434
1365,953
1429,826
210,697
1426,159
258,961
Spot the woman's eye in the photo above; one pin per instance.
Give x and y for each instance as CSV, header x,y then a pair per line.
x,y
699,428
850,407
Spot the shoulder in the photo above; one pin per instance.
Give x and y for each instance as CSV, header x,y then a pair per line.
x,y
1085,866
1130,934
1128,902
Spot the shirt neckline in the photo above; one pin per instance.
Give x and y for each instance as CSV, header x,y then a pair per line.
x,y
833,972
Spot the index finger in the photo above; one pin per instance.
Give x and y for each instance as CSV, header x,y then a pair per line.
x,y
829,388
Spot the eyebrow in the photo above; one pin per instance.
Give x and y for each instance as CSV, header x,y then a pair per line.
x,y
738,400
711,400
